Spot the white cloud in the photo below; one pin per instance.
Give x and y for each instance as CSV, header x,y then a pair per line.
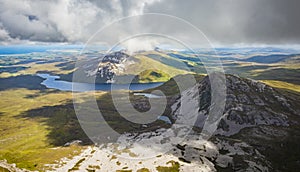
x,y
72,18
139,44
62,20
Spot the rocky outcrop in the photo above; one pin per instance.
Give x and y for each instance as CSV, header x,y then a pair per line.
x,y
111,65
248,103
257,130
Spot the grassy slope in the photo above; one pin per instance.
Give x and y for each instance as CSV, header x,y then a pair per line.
x,y
24,141
152,76
279,74
117,121
168,60
146,63
33,68
34,125
283,85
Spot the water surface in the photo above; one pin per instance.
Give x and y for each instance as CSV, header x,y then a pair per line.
x,y
52,81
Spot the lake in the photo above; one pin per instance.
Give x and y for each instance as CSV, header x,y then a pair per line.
x,y
52,81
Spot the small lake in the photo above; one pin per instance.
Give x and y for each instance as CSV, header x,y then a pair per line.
x,y
52,81
152,96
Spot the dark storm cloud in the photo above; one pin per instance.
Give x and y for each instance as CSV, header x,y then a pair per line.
x,y
240,21
223,21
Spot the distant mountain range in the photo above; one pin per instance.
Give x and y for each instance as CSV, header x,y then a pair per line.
x,y
161,65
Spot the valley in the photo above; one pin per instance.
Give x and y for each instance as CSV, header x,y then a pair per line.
x,y
259,131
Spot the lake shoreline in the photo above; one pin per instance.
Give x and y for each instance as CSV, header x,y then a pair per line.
x,y
54,82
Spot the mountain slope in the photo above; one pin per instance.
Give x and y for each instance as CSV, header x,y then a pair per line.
x,y
256,115
258,132
248,103
120,67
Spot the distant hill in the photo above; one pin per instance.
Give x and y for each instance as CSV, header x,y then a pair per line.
x,y
273,58
120,67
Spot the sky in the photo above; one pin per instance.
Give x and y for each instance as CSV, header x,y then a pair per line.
x,y
224,22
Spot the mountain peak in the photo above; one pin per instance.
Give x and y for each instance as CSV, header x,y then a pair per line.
x,y
249,103
115,57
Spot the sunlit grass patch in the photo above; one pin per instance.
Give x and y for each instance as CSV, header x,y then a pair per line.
x,y
282,84
173,168
144,62
33,68
24,140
